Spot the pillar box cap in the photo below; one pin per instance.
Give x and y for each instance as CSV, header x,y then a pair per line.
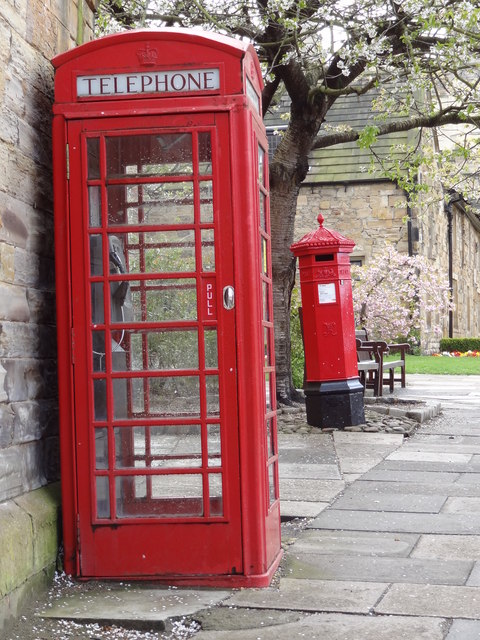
x,y
322,241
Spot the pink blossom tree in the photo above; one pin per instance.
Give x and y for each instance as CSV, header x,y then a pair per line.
x,y
393,295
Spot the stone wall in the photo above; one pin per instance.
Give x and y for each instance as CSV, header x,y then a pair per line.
x,y
31,33
374,213
369,213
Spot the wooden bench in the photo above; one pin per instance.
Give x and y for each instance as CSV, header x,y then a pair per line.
x,y
369,365
377,350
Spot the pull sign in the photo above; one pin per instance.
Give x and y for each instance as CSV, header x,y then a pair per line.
x,y
228,297
209,299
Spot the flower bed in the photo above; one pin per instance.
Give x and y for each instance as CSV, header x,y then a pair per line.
x,y
458,354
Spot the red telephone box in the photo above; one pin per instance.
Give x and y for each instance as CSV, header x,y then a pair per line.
x,y
164,292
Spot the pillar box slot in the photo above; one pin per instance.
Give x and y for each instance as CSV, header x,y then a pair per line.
x,y
334,394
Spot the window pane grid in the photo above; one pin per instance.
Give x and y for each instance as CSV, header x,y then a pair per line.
x,y
160,334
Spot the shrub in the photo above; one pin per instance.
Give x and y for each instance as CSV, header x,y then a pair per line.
x,y
297,355
460,344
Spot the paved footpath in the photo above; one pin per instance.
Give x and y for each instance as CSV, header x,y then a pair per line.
x,y
384,542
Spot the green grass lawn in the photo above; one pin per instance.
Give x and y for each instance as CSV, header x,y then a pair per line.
x,y
441,365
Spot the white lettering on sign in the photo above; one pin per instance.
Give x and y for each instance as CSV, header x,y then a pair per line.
x,y
210,299
124,84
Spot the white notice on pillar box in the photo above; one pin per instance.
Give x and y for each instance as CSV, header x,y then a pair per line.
x,y
327,293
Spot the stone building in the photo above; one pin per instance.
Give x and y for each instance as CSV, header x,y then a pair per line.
x,y
371,210
31,33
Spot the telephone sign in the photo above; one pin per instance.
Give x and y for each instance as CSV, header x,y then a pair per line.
x,y
164,311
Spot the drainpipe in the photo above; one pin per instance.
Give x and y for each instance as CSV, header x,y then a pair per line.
x,y
409,229
80,23
449,212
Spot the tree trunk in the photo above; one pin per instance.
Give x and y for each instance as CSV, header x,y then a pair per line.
x,y
287,171
283,203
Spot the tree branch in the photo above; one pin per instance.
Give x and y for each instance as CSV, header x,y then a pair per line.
x,y
416,122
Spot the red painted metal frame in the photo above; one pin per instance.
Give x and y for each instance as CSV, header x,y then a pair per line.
x,y
260,521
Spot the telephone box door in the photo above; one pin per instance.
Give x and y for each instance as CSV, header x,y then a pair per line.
x,y
156,438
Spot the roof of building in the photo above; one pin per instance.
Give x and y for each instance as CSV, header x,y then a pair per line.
x,y
346,162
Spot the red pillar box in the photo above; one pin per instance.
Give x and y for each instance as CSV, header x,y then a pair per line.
x,y
334,394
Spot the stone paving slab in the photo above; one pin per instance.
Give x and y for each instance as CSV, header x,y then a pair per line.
x,y
474,577
356,543
314,471
310,490
470,489
431,456
431,600
316,566
352,465
419,465
461,505
469,478
448,547
399,475
130,606
313,595
446,446
390,502
301,509
385,441
464,630
401,522
337,626
433,440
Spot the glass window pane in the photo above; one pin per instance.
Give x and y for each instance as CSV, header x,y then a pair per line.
x,y
214,445
206,202
270,438
94,207
155,251
211,349
208,250
97,303
268,392
266,335
96,258
172,495
155,154
264,251
176,446
204,153
159,397
266,301
100,399
180,495
103,497
272,490
261,165
164,203
163,300
98,350
130,447
160,350
168,446
216,494
263,211
213,397
101,449
93,158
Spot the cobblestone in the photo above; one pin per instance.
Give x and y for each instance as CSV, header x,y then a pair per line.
x,y
377,419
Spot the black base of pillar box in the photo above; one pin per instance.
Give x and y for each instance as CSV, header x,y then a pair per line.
x,y
335,403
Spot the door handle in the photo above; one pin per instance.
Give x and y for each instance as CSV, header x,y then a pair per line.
x,y
228,297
